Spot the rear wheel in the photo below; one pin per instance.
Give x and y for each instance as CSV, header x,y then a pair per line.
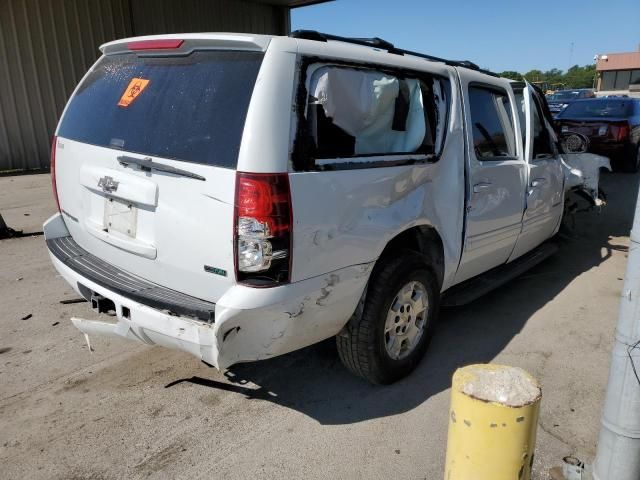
x,y
390,334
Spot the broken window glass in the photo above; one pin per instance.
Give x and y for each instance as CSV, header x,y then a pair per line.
x,y
354,112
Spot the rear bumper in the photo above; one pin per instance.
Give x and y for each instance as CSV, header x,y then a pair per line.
x,y
250,324
116,280
611,150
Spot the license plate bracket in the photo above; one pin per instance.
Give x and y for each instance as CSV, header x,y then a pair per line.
x,y
120,216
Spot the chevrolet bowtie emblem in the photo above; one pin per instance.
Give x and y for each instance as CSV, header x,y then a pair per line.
x,y
108,184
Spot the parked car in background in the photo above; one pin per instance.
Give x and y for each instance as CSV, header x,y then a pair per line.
x,y
612,126
561,99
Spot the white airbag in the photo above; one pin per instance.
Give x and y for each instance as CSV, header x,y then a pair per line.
x,y
362,103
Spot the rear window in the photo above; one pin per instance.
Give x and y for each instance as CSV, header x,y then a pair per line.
x,y
599,108
189,108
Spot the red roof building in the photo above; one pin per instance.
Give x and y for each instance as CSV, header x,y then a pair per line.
x,y
619,72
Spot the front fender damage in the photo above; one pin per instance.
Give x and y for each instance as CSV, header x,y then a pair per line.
x,y
582,176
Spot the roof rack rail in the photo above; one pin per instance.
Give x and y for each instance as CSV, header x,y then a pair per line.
x,y
324,37
377,42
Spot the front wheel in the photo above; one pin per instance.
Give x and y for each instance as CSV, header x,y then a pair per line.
x,y
390,334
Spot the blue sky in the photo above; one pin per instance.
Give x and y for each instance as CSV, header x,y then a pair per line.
x,y
499,35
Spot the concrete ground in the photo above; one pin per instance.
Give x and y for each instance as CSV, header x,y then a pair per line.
x,y
132,411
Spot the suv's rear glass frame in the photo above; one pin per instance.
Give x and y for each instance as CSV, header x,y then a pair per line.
x,y
193,107
303,157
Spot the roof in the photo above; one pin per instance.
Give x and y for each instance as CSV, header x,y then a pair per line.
x,y
618,61
379,43
292,3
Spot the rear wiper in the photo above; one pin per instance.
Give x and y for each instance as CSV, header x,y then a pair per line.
x,y
146,164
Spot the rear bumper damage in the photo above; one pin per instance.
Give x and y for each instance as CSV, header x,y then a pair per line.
x,y
250,324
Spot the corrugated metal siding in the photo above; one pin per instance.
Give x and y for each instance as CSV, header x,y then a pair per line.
x,y
161,16
46,46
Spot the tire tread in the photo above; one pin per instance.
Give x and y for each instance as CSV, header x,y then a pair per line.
x,y
356,343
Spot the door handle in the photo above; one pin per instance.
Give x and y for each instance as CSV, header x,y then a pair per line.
x,y
482,187
538,182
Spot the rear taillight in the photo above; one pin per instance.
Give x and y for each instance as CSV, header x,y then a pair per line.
x,y
53,171
622,132
263,224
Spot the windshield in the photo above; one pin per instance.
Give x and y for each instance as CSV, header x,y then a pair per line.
x,y
189,108
598,108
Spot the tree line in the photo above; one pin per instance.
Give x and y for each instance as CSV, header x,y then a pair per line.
x,y
555,79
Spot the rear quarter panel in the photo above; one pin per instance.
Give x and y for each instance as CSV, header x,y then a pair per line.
x,y
347,217
265,141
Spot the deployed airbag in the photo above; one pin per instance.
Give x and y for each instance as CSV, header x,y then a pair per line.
x,y
363,104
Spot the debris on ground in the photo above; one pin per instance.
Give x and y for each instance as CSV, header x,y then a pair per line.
x,y
72,300
6,231
27,317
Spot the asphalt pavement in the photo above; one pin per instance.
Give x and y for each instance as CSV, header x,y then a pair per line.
x,y
132,411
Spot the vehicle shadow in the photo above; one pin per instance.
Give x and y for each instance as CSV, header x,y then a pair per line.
x,y
313,381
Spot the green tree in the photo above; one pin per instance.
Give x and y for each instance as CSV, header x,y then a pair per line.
x,y
554,75
513,75
575,77
580,77
534,76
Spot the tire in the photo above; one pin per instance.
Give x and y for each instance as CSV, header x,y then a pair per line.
x,y
363,345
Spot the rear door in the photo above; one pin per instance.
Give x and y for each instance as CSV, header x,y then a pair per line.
x,y
497,174
545,190
146,155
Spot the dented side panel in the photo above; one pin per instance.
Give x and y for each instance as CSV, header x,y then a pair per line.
x,y
269,323
250,324
582,171
347,217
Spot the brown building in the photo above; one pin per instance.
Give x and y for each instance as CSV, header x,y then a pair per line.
x,y
46,46
619,73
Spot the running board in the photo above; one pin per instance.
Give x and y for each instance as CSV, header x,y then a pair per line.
x,y
472,289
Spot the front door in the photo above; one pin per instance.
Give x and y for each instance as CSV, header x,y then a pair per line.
x,y
545,191
497,173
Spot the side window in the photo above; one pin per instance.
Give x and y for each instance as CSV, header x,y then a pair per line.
x,y
361,112
542,147
492,123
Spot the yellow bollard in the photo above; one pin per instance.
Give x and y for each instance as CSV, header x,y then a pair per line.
x,y
492,423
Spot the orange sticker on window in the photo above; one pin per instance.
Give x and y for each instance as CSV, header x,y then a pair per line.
x,y
135,88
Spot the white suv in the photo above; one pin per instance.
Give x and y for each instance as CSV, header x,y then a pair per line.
x,y
242,196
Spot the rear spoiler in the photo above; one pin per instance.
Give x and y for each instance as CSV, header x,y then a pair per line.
x,y
184,44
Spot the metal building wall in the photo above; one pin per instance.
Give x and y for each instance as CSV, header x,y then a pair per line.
x,y
46,46
161,16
